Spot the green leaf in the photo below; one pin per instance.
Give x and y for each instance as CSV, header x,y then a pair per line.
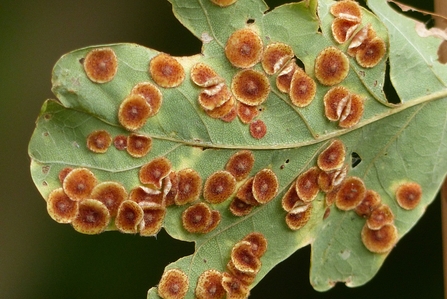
x,y
396,143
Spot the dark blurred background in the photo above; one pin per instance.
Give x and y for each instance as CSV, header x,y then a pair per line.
x,y
42,259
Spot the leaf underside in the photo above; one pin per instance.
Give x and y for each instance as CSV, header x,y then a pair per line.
x,y
396,143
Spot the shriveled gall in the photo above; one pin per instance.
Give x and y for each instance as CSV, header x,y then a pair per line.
x,y
223,3
307,184
244,48
240,164
284,78
372,53
134,112
265,186
275,57
223,110
166,71
240,208
244,259
151,94
351,117
380,216
331,66
333,157
60,207
209,285
330,197
258,129
290,200
219,186
204,76
152,173
214,96
215,221
302,89
343,29
63,174
101,65
250,87
142,194
189,186
171,195
91,218
409,195
246,113
381,240
347,9
153,216
129,217
299,218
120,142
351,193
258,243
111,194
138,145
196,218
99,141
371,201
234,287
360,39
245,193
174,284
79,183
335,102
328,181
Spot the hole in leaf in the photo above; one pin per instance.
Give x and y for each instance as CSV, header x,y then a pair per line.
x,y
388,88
250,21
300,63
355,159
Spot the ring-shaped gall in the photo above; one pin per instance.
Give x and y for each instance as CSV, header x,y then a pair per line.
x,y
244,48
153,216
100,65
189,186
166,71
111,194
91,218
380,216
174,284
63,174
297,220
372,53
351,193
240,208
347,9
335,102
204,76
342,29
215,221
265,185
196,218
79,183
306,184
138,145
219,186
129,217
143,194
60,207
223,3
120,142
302,89
240,164
275,56
250,87
134,112
331,66
223,110
409,195
234,287
245,193
258,243
291,200
209,285
214,96
155,171
246,113
333,157
351,117
258,129
244,259
371,201
151,94
99,141
381,240
284,78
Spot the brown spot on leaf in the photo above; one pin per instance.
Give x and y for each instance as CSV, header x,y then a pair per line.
x,y
246,113
265,185
240,208
120,142
92,217
258,243
240,164
335,102
244,278
350,118
134,112
380,216
171,195
215,220
284,78
129,217
214,96
307,184
234,287
60,207
250,87
63,174
381,240
299,218
111,194
223,3
328,181
290,200
351,193
209,285
142,194
153,172
343,29
371,201
245,193
100,65
258,129
153,216
372,53
138,145
347,9
331,66
197,218
408,195
275,56
166,71
99,141
151,94
244,259
230,116
79,183
219,186
189,186
244,48
204,76
302,89
223,110
332,157
173,284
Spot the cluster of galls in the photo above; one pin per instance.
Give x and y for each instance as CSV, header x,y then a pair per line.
x,y
136,145
242,268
